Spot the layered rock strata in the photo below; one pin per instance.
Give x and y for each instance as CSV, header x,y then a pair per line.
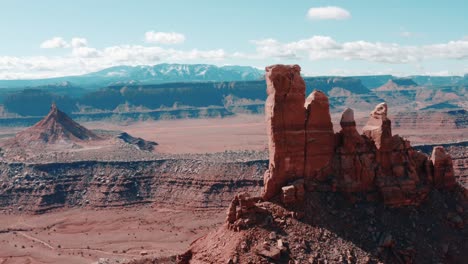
x,y
192,183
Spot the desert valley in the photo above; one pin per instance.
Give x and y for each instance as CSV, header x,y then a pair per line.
x,y
133,190
233,132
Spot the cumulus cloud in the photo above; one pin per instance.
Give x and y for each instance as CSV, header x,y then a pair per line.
x,y
328,12
86,52
79,42
54,43
164,37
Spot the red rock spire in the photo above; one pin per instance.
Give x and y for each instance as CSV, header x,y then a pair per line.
x,y
285,116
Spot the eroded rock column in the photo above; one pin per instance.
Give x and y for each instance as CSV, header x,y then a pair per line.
x,y
320,138
355,162
379,129
443,175
285,116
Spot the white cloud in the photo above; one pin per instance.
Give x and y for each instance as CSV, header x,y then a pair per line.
x,y
164,37
54,43
407,34
324,47
328,12
83,58
79,42
86,52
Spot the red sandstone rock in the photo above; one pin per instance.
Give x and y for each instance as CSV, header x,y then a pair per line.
x,y
444,176
55,127
378,126
244,212
319,134
354,163
373,165
293,194
285,117
376,161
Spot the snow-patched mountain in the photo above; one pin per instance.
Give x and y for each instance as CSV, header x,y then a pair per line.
x,y
147,74
178,73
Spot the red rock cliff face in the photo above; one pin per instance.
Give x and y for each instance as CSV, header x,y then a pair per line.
x,y
303,146
285,115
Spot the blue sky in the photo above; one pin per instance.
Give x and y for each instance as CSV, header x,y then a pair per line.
x,y
347,37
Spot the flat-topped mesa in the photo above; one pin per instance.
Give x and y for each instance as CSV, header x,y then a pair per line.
x,y
320,138
285,116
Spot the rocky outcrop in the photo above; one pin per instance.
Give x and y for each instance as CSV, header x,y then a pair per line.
x,y
354,162
328,230
315,224
320,138
379,127
190,183
56,127
378,163
284,110
443,176
137,142
244,212
459,153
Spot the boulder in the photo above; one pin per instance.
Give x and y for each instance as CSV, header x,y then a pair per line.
x,y
293,194
244,212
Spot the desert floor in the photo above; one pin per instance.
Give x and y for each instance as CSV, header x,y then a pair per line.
x,y
243,132
86,235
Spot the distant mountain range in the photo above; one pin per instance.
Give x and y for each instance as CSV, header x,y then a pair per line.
x,y
177,73
151,90
145,74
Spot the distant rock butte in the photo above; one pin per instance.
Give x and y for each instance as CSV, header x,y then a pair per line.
x,y
303,145
56,127
398,84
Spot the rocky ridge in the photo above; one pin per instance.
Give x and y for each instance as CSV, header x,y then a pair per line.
x,y
370,200
189,183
